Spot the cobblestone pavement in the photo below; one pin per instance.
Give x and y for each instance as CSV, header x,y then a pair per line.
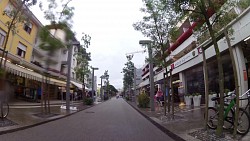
x,y
113,120
188,123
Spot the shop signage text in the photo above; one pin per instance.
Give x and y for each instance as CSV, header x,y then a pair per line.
x,y
185,58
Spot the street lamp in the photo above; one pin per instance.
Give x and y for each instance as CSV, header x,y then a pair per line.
x,y
93,79
101,88
73,43
151,77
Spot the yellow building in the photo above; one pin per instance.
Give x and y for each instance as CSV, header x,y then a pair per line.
x,y
21,43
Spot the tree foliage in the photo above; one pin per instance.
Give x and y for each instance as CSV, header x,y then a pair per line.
x,y
83,57
128,74
156,24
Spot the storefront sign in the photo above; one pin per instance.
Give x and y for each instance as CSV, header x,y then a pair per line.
x,y
185,58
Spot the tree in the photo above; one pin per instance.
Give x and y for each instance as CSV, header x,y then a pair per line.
x,y
106,77
157,23
62,21
18,15
128,74
112,90
83,58
202,10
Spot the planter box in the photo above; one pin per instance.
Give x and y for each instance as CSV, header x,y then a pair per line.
x,y
188,100
210,102
197,100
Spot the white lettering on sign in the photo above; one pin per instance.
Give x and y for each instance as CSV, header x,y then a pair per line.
x,y
186,58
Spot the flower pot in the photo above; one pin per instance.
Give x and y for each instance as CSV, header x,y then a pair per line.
x,y
188,100
197,100
210,102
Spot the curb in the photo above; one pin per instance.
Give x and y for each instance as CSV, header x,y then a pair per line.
x,y
162,128
42,122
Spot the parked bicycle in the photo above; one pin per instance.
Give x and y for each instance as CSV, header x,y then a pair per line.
x,y
4,109
229,114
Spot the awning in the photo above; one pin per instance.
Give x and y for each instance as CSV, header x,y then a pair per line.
x,y
22,71
28,73
58,82
78,85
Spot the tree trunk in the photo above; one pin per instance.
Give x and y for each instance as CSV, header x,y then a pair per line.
x,y
168,97
219,130
206,85
172,92
164,93
83,90
236,83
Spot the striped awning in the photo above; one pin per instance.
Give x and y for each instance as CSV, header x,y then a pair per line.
x,y
28,73
22,71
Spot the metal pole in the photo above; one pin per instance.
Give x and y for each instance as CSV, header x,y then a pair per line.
x,y
101,89
151,78
68,78
93,83
134,84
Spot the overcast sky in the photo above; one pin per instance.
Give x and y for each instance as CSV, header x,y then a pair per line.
x,y
109,23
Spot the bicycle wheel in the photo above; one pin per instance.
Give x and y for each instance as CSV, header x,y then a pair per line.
x,y
243,122
4,109
213,116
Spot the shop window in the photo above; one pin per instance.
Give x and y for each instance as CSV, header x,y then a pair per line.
x,y
213,74
195,80
27,27
2,37
21,50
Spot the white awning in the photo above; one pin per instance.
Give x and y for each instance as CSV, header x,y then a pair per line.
x,y
22,71
78,85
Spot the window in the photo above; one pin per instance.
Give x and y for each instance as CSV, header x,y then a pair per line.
x,y
74,61
73,75
21,50
27,27
2,37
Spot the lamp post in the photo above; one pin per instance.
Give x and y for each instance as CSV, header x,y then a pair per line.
x,y
93,79
134,98
151,77
69,73
101,88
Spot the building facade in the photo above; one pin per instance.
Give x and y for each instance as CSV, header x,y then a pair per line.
x,y
187,60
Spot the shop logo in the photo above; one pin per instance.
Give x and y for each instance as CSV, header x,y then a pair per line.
x,y
193,53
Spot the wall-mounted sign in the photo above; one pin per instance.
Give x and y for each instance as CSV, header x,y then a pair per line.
x,y
185,58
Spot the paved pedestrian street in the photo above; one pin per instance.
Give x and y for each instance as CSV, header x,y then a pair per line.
x,y
113,120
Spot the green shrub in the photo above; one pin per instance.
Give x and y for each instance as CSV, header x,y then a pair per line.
x,y
143,100
88,101
127,98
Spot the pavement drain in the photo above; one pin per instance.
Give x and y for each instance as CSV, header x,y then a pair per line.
x,y
42,115
209,135
6,122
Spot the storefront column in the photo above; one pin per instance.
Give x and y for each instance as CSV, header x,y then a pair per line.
x,y
241,67
183,81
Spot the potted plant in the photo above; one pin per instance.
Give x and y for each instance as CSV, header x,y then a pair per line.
x,y
210,96
197,99
188,99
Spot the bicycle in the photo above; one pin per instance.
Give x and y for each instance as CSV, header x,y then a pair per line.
x,y
4,107
229,114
